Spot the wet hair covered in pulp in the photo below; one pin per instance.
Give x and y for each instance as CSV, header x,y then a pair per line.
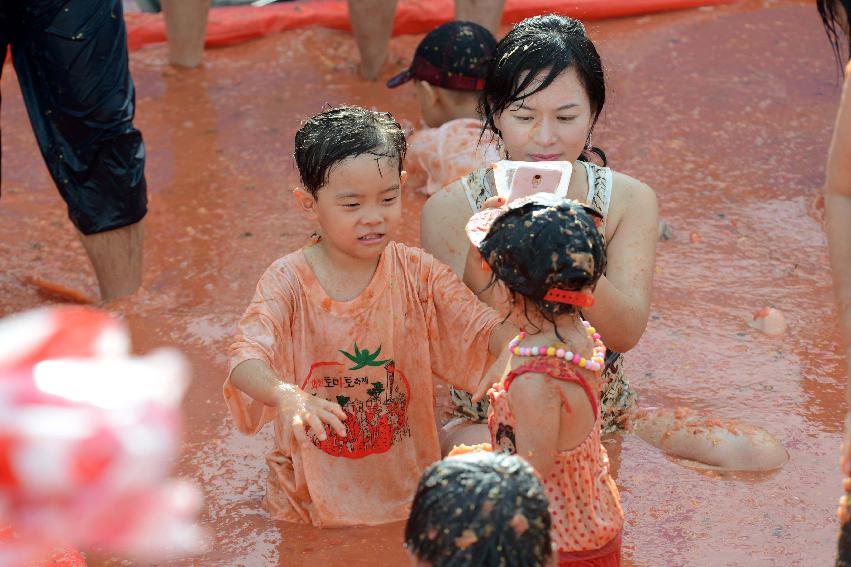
x,y
480,509
344,132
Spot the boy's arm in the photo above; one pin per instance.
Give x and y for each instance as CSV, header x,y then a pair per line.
x,y
296,407
258,388
498,347
481,282
465,335
476,277
478,280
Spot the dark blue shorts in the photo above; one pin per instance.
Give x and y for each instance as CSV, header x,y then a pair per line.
x,y
71,60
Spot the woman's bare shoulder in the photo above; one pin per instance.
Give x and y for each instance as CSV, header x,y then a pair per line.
x,y
628,184
444,205
453,197
628,193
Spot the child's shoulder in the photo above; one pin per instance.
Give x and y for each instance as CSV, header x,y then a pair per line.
x,y
284,271
465,125
288,263
421,269
410,256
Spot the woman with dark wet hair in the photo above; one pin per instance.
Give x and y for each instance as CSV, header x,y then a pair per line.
x,y
544,92
836,17
480,509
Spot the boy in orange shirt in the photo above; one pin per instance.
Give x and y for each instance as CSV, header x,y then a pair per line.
x,y
340,342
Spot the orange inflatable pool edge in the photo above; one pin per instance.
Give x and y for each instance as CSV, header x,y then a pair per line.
x,y
229,26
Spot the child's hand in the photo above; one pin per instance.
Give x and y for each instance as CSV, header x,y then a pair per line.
x,y
494,203
298,410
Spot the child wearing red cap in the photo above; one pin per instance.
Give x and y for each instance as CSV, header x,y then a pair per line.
x,y
448,72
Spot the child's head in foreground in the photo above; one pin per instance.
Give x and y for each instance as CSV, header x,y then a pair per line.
x,y
480,509
546,250
349,161
448,70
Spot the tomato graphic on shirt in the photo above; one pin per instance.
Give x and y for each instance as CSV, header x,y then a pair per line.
x,y
373,393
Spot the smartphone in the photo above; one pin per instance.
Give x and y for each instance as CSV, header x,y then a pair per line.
x,y
516,179
530,180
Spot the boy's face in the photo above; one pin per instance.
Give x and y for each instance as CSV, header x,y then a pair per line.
x,y
360,207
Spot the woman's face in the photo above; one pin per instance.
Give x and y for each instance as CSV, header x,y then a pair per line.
x,y
550,125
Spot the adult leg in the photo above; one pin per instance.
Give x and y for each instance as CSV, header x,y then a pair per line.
x,y
462,433
372,25
718,444
186,26
117,258
486,13
81,100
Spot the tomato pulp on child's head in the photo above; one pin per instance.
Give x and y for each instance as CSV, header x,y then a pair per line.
x,y
360,206
552,124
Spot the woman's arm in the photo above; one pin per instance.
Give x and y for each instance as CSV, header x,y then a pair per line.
x,y
442,224
623,294
837,207
837,210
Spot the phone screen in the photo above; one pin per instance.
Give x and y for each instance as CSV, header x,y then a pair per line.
x,y
528,180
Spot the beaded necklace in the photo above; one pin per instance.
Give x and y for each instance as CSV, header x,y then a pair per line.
x,y
594,364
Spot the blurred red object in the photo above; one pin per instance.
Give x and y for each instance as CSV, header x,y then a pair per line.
x,y
88,434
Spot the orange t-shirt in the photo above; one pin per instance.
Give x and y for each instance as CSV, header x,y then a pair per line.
x,y
375,356
449,152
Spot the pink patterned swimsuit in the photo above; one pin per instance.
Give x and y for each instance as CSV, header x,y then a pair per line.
x,y
584,502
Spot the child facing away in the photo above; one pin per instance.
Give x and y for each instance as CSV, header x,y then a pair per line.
x,y
480,509
549,254
339,344
448,72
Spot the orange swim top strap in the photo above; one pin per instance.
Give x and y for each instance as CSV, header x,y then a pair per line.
x,y
559,371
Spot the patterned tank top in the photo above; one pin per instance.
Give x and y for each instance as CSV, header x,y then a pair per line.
x,y
584,501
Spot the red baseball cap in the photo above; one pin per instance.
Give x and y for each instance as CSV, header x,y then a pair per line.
x,y
452,56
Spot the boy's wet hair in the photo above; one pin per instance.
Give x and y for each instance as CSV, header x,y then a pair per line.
x,y
344,132
542,47
480,509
